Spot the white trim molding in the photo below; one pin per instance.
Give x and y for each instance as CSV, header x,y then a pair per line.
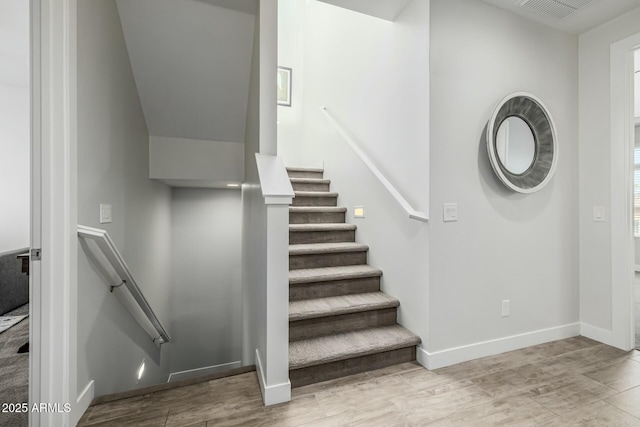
x,y
453,356
598,334
198,372
274,393
84,400
622,143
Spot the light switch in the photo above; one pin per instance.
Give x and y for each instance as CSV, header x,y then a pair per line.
x,y
105,213
450,212
598,214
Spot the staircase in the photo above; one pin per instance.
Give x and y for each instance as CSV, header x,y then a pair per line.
x,y
339,321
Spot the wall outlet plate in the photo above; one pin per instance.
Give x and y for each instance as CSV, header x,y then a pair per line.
x,y
506,308
450,212
105,213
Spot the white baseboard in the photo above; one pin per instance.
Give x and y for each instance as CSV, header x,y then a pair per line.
x,y
601,335
192,373
82,403
272,394
453,356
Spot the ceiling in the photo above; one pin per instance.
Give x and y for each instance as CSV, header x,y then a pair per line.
x,y
14,42
191,61
590,16
385,9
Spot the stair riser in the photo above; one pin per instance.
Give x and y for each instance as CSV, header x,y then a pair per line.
x,y
315,201
311,328
304,174
316,217
334,288
301,237
337,259
342,368
300,186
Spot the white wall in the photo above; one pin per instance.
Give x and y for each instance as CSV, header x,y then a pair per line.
x,y
523,248
191,61
113,158
373,77
206,317
15,177
595,170
290,47
14,125
183,162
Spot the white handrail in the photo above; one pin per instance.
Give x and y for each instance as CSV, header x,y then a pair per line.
x,y
134,300
413,214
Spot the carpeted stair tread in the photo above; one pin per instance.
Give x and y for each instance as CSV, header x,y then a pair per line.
x,y
330,348
325,274
315,194
324,226
344,304
326,248
310,181
316,209
296,169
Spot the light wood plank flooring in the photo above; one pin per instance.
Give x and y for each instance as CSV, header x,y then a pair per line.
x,y
575,381
14,370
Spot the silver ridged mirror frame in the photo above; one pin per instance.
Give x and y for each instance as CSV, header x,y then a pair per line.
x,y
521,141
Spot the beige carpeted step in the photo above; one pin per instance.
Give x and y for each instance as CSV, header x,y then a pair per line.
x,y
326,248
321,233
349,322
333,288
315,198
305,172
317,255
334,306
310,184
316,214
331,348
327,274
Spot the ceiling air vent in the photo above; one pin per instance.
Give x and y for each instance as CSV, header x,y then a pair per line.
x,y
557,8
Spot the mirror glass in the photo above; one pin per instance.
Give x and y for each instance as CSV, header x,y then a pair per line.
x,y
515,145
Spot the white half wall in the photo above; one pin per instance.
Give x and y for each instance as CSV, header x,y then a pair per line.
x,y
182,162
206,312
505,245
596,298
262,302
113,158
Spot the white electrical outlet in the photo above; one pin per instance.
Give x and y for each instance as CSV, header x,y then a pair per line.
x,y
450,212
506,308
105,213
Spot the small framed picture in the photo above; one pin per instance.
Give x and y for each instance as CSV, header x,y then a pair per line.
x,y
284,86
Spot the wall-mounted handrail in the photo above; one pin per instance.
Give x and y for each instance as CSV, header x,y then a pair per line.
x,y
139,307
413,214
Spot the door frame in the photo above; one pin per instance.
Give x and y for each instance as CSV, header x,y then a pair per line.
x,y
53,330
622,144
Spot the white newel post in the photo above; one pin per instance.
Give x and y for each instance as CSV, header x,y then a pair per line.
x,y
278,195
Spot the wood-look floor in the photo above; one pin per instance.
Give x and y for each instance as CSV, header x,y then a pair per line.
x,y
575,381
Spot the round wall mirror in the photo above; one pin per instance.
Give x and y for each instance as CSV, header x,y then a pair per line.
x,y
521,141
516,145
